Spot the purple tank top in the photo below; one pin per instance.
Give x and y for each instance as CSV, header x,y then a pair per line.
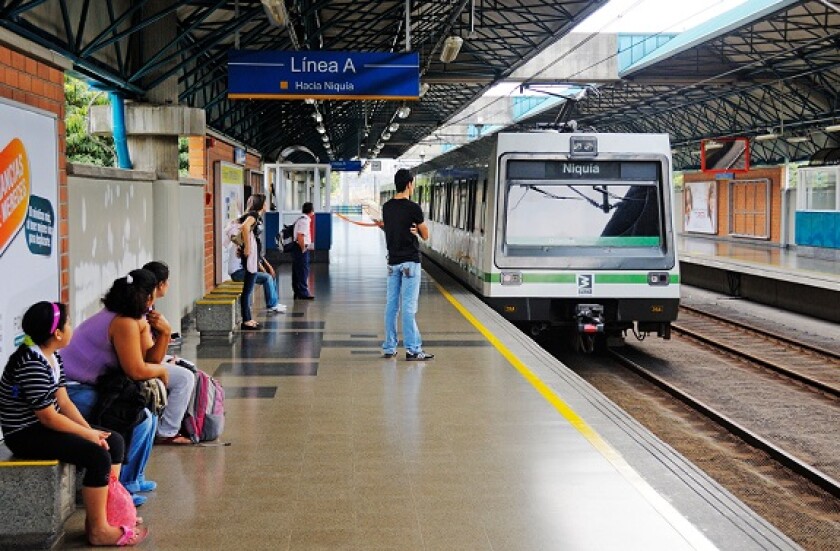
x,y
90,352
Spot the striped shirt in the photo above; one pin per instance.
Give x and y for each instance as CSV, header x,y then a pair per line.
x,y
28,384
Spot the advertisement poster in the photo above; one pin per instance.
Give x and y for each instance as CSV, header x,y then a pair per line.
x,y
29,261
230,203
700,207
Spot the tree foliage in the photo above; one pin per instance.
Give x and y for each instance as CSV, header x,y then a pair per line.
x,y
81,146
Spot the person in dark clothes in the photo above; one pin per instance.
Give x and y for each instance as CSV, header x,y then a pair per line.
x,y
301,253
403,223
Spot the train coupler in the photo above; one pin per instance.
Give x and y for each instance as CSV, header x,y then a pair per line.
x,y
589,318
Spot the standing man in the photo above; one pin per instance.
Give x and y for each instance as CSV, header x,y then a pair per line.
x,y
300,254
402,221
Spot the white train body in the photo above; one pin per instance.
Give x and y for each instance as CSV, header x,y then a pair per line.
x,y
561,229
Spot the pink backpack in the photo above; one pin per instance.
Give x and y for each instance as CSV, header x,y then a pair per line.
x,y
204,419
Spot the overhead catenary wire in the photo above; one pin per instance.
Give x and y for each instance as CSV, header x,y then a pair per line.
x,y
667,93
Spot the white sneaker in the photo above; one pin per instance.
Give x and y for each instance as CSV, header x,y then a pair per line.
x,y
278,308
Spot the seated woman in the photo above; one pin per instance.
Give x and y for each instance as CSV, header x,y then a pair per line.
x,y
168,434
108,339
39,421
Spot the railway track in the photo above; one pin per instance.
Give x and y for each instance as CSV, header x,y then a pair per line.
x,y
807,363
758,414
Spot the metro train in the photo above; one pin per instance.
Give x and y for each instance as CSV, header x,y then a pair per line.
x,y
568,231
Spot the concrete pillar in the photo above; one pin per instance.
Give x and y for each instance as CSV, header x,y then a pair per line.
x,y
152,131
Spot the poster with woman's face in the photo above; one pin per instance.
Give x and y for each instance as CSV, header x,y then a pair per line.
x,y
700,207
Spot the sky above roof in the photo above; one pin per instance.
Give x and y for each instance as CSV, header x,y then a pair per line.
x,y
654,16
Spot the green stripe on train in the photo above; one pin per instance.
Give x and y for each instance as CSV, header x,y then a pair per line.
x,y
605,279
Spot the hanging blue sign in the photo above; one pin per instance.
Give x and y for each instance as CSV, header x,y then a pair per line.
x,y
346,166
323,75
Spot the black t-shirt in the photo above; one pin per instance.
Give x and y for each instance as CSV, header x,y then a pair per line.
x,y
398,215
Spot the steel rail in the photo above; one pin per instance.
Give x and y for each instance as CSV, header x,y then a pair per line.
x,y
786,459
791,374
766,333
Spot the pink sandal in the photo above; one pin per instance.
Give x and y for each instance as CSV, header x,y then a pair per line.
x,y
132,536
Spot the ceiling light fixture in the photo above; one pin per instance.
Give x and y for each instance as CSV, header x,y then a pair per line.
x,y
386,136
325,138
317,116
766,137
832,128
394,127
404,111
309,101
424,88
451,47
276,12
320,129
799,139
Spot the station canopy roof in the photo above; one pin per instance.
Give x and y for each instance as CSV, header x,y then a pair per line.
x,y
770,68
104,37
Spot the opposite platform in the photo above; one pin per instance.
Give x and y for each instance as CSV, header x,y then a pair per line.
x,y
769,275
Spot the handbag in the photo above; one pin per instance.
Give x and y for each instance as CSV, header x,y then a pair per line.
x,y
154,392
119,508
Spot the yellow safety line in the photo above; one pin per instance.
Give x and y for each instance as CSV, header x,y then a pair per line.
x,y
567,412
46,463
684,527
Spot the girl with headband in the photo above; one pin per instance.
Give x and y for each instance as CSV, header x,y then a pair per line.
x,y
39,421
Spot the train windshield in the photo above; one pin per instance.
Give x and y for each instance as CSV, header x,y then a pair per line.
x,y
573,208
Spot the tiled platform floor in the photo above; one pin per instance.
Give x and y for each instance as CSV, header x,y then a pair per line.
x,y
333,447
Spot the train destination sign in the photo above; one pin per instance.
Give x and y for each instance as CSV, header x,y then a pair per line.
x,y
323,75
582,170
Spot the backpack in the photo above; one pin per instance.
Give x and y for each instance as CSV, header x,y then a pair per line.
x,y
233,232
204,419
120,403
286,237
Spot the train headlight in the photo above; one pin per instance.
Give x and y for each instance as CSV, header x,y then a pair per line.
x,y
511,278
658,278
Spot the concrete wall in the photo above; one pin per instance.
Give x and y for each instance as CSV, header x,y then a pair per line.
x,y
775,176
191,278
111,232
109,218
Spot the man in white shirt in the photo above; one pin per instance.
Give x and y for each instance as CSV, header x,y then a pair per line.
x,y
300,254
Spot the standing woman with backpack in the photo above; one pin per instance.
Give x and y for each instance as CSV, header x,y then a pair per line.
x,y
250,256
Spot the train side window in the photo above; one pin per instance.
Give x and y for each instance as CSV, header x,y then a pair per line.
x,y
431,213
463,204
440,203
483,218
471,197
447,218
456,204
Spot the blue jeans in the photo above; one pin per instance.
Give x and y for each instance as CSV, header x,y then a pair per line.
x,y
403,294
264,279
137,455
247,290
84,397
